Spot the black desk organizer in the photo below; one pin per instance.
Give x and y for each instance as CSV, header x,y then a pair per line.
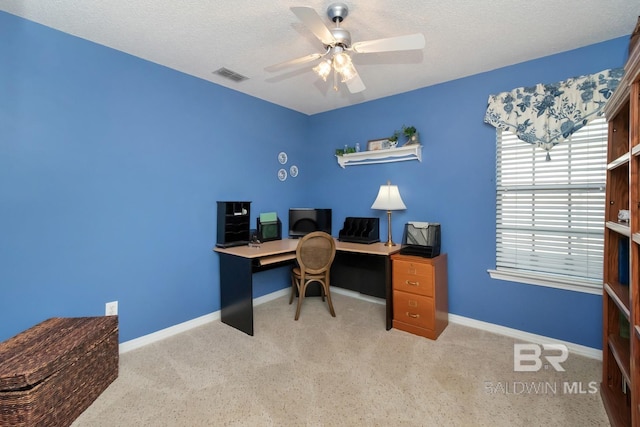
x,y
268,231
233,224
421,239
360,230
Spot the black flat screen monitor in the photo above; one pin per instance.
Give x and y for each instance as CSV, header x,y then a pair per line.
x,y
303,221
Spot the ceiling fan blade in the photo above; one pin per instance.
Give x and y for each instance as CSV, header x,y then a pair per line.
x,y
355,84
294,62
312,20
409,42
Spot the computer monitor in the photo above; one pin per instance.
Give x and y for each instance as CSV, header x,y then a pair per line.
x,y
303,221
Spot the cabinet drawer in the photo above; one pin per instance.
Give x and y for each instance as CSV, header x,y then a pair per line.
x,y
413,277
414,309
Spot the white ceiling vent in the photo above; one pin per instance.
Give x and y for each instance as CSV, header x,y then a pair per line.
x,y
231,75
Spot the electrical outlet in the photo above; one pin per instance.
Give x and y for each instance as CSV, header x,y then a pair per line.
x,y
111,308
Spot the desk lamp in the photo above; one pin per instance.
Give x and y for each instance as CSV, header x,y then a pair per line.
x,y
389,200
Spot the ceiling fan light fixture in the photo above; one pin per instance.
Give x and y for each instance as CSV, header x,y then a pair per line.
x,y
348,72
343,65
323,69
340,60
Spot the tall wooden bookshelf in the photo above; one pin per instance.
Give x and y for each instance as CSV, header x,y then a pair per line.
x,y
620,388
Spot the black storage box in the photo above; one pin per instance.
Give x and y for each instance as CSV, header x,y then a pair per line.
x,y
360,230
422,239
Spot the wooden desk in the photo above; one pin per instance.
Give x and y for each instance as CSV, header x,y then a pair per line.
x,y
359,267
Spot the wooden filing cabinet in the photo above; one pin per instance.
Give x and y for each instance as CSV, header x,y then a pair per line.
x,y
420,303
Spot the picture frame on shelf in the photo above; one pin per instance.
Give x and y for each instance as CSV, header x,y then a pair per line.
x,y
377,144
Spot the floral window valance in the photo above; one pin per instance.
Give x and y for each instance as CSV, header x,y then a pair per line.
x,y
546,114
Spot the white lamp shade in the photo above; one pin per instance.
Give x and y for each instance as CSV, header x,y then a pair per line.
x,y
388,199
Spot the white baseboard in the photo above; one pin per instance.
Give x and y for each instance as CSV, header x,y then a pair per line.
x,y
590,352
142,341
271,296
358,295
168,332
189,324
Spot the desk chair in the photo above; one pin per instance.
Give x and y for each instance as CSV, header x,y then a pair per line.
x,y
314,254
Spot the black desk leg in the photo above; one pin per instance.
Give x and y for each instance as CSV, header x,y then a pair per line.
x,y
236,292
389,291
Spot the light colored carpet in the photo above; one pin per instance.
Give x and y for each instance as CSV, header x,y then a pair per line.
x,y
343,371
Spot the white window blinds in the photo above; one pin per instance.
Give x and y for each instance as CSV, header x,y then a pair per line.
x,y
550,214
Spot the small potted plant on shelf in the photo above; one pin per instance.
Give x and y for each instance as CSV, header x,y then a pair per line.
x,y
393,139
411,134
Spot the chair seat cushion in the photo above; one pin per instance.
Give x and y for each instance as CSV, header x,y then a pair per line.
x,y
298,274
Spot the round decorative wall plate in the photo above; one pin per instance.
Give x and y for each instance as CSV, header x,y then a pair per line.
x,y
293,171
282,174
282,157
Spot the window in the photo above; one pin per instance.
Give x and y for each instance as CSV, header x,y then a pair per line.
x,y
550,214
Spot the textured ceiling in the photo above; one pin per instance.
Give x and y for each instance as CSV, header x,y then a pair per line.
x,y
463,37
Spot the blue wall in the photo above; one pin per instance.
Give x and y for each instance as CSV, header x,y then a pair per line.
x,y
455,186
110,167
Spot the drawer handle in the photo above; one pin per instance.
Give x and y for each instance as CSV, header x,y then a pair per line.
x,y
415,316
410,283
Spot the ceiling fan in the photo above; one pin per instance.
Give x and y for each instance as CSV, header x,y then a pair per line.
x,y
336,59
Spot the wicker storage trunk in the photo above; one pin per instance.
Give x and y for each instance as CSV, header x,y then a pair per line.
x,y
52,372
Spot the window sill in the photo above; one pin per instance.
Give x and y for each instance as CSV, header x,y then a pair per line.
x,y
547,281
